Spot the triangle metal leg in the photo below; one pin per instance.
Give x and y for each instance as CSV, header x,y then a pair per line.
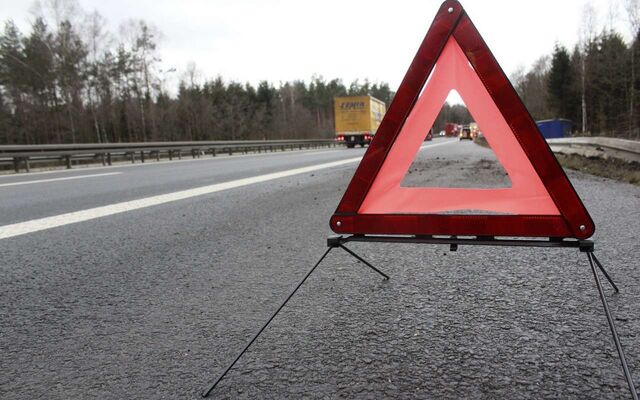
x,y
604,271
212,386
612,326
385,276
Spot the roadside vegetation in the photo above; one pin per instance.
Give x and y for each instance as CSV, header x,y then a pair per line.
x,y
595,84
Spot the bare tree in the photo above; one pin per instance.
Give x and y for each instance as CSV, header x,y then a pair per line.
x,y
587,34
57,11
142,40
97,39
633,13
192,75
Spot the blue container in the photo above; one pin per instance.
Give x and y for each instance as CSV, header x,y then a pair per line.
x,y
555,128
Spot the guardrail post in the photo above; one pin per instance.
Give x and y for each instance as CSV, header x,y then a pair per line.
x,y
16,164
230,151
170,155
179,154
133,157
213,152
68,160
158,155
104,161
26,164
142,156
109,158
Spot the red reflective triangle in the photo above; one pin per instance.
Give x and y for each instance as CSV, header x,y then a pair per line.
x,y
541,201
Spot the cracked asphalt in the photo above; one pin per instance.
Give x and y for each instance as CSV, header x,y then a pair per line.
x,y
154,303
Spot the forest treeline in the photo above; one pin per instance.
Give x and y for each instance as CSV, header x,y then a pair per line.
x,y
68,79
596,85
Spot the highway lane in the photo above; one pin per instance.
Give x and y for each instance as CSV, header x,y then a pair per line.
x,y
52,193
141,180
25,199
153,303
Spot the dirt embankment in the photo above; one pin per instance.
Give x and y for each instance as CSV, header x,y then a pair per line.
x,y
609,168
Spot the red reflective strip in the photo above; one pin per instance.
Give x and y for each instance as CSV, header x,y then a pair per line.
x,y
462,225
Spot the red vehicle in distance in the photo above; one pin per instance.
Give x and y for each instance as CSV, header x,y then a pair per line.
x,y
451,129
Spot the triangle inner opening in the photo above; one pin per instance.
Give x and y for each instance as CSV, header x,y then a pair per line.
x,y
455,153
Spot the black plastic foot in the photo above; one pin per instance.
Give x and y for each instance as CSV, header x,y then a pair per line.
x,y
334,241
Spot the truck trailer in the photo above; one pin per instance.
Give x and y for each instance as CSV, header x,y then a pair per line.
x,y
357,119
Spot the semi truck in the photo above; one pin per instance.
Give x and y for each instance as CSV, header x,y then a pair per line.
x,y
357,119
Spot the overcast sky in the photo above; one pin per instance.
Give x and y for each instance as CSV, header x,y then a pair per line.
x,y
281,40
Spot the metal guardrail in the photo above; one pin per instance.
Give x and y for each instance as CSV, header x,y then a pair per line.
x,y
25,155
601,147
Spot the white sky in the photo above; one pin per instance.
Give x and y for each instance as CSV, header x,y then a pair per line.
x,y
281,40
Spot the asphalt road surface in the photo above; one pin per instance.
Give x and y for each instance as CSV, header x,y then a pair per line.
x,y
170,268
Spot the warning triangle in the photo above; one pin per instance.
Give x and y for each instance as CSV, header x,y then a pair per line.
x,y
541,201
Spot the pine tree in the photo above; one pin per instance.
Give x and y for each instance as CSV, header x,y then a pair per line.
x,y
560,83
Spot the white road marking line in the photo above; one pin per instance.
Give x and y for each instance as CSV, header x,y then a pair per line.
x,y
68,178
36,225
426,146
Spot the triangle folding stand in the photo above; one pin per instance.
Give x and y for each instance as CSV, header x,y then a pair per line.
x,y
540,209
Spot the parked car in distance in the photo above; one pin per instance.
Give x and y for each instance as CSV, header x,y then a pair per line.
x,y
465,133
429,135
